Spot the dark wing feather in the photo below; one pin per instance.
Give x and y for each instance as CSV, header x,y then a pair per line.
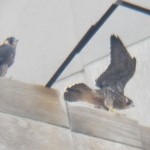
x,y
3,70
7,54
76,92
119,54
121,68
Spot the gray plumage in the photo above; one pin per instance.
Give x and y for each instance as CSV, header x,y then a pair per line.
x,y
111,83
120,70
7,54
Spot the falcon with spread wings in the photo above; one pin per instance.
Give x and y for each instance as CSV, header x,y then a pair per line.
x,y
111,82
7,54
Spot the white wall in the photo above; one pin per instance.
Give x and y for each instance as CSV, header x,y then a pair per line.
x,y
138,88
49,29
46,33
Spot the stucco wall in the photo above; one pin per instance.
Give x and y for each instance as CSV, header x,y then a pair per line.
x,y
49,29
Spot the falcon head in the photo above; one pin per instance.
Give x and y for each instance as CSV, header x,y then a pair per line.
x,y
11,41
121,102
129,103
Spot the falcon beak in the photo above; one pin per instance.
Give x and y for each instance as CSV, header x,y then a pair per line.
x,y
133,105
16,40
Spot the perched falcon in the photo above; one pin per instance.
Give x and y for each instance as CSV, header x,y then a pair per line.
x,y
7,54
81,92
111,83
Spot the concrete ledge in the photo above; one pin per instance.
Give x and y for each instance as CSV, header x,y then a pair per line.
x,y
101,124
84,142
33,102
18,133
26,103
145,136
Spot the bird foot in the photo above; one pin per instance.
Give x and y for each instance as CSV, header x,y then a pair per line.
x,y
116,113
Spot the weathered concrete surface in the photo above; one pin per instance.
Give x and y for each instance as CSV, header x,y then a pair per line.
x,y
145,137
23,134
49,29
46,105
102,124
83,142
33,102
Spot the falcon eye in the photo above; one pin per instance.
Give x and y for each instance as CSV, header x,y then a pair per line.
x,y
127,100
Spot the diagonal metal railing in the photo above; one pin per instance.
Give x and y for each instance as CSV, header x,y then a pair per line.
x,y
90,33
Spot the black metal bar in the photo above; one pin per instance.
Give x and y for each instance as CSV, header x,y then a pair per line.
x,y
89,34
136,7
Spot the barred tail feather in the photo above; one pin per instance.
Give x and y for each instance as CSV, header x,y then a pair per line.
x,y
71,96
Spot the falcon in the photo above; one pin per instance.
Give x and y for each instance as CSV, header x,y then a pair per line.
x,y
7,54
111,82
81,92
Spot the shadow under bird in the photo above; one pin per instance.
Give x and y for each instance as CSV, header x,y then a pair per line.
x,y
111,82
7,54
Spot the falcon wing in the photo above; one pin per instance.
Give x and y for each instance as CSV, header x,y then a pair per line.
x,y
7,55
119,54
121,68
3,70
5,51
76,92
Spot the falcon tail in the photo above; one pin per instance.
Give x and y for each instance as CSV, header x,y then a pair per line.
x,y
76,92
71,95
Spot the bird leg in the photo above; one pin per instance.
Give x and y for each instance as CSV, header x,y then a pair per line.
x,y
112,110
